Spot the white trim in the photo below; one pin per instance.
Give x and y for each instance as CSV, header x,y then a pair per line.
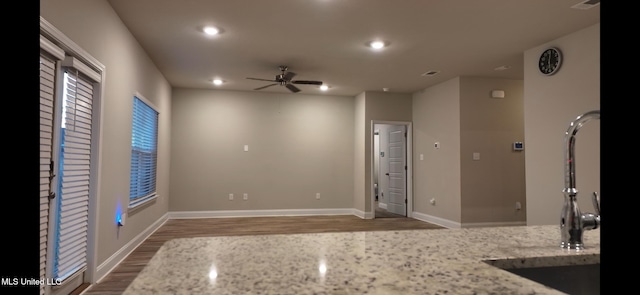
x,y
145,100
51,48
141,201
452,224
114,260
409,145
362,214
436,220
60,39
257,213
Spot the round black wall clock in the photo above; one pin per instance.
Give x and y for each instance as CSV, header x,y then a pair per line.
x,y
550,61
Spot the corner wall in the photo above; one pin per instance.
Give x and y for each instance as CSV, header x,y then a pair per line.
x,y
492,184
550,104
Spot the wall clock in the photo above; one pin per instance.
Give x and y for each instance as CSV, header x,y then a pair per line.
x,y
550,61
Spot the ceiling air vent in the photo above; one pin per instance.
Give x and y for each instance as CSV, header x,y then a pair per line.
x,y
430,73
588,4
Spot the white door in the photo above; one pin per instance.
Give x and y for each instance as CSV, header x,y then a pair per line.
x,y
397,201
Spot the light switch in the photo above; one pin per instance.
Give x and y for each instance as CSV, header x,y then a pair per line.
x,y
476,156
246,147
421,157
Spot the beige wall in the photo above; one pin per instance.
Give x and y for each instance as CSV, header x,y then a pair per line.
x,y
491,186
359,147
436,118
299,145
550,104
95,27
380,106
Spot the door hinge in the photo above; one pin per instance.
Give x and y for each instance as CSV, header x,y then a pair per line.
x,y
405,167
405,201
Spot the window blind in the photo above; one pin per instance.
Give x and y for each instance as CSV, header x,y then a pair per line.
x,y
144,143
49,54
74,172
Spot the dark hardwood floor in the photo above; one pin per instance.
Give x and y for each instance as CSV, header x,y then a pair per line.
x,y
121,276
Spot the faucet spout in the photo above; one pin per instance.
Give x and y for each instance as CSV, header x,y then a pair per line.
x,y
572,222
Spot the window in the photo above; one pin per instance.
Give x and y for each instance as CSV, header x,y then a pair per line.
x,y
144,152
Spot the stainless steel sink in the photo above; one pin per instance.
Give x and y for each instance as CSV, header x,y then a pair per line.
x,y
581,278
571,279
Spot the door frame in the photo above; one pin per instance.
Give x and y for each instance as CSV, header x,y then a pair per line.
x,y
71,48
409,144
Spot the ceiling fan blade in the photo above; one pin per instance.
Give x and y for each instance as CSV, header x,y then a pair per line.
x,y
288,76
269,80
307,82
293,88
263,87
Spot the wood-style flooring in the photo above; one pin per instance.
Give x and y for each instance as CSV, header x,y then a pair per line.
x,y
123,274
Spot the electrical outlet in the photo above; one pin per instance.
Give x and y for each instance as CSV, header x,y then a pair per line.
x,y
230,197
245,196
318,196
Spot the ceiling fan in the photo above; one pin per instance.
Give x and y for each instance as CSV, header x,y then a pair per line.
x,y
284,79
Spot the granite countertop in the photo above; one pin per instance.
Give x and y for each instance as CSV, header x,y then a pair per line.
x,y
438,261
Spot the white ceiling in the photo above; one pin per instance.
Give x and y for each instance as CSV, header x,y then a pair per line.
x,y
326,40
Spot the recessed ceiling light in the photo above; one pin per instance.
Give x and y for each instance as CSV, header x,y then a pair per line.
x,y
378,44
324,87
217,82
211,30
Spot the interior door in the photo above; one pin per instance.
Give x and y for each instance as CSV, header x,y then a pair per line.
x,y
397,201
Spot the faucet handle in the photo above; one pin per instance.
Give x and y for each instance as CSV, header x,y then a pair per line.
x,y
596,202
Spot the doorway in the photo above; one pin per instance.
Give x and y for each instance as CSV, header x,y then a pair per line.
x,y
391,169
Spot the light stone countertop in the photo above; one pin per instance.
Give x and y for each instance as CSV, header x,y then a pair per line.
x,y
437,261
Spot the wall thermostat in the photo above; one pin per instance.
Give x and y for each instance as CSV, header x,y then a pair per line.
x,y
518,146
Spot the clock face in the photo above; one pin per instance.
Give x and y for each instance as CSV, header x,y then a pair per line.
x,y
550,61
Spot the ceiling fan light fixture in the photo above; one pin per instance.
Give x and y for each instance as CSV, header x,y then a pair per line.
x,y
324,87
217,82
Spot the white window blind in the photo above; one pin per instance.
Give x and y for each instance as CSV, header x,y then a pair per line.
x,y
49,53
74,170
144,146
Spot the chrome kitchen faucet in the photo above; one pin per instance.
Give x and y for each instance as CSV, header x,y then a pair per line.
x,y
573,223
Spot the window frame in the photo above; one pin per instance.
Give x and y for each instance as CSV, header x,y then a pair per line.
x,y
138,200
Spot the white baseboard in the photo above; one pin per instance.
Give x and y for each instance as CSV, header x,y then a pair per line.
x,y
435,220
257,213
362,214
452,224
108,265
